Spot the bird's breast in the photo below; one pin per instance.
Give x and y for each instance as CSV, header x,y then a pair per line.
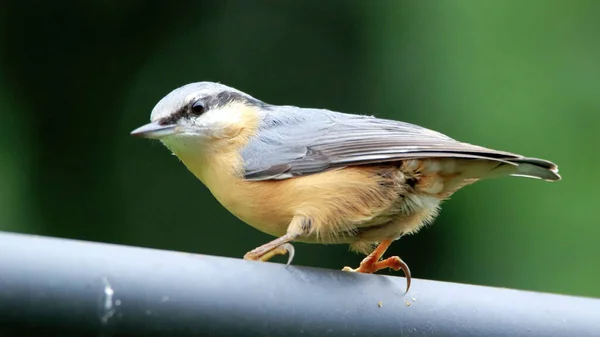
x,y
249,201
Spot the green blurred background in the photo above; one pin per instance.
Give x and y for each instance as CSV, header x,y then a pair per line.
x,y
523,76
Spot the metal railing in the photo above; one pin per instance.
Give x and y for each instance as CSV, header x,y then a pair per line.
x,y
62,287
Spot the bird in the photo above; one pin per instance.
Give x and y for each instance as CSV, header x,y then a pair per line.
x,y
321,176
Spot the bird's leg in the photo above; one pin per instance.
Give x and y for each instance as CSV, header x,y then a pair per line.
x,y
372,263
281,246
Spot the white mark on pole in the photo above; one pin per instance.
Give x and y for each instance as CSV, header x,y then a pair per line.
x,y
108,303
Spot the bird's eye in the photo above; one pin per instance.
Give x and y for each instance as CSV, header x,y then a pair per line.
x,y
198,108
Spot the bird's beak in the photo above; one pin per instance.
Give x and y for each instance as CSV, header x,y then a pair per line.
x,y
154,130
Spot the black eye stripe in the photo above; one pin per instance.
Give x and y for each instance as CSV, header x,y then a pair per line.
x,y
172,119
200,105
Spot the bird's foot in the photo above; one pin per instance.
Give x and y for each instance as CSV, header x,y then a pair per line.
x,y
370,265
261,254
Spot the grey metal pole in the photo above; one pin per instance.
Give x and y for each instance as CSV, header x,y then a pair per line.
x,y
52,286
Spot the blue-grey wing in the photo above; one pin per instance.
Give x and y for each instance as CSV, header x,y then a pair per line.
x,y
293,141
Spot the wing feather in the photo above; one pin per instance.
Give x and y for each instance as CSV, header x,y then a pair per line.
x,y
293,141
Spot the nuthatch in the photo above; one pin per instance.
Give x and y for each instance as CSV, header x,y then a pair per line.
x,y
319,176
